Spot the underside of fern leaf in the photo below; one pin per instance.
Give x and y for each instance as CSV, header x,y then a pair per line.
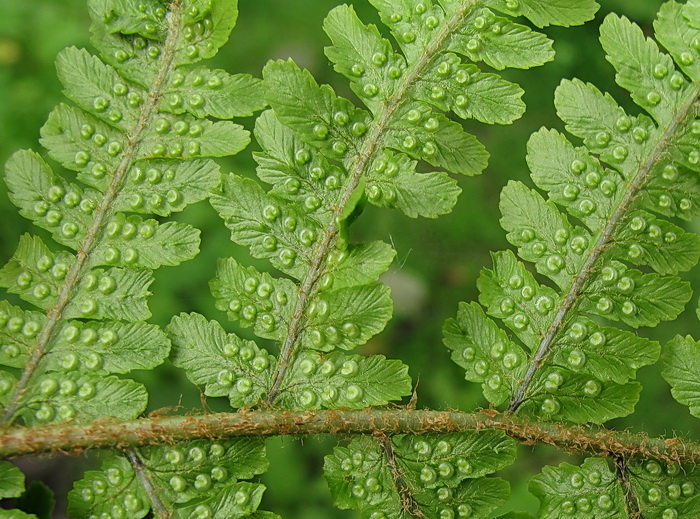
x,y
614,257
139,141
604,250
324,158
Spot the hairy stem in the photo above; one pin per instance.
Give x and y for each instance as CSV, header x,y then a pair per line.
x,y
101,215
15,441
371,144
604,241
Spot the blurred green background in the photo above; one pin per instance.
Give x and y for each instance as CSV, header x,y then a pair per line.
x,y
437,263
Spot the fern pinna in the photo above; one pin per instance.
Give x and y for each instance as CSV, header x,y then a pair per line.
x,y
613,257
138,141
324,158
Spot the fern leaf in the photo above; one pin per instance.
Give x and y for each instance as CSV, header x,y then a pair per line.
x,y
679,483
254,298
338,380
632,173
12,486
656,489
192,478
11,480
225,364
590,490
681,367
324,158
138,141
475,340
426,476
82,398
543,13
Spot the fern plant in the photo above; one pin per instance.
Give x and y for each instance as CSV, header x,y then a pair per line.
x,y
564,361
139,143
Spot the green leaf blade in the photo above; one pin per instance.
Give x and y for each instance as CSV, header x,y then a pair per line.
x,y
137,243
426,135
256,220
11,480
470,93
429,475
676,31
543,13
678,480
641,68
634,298
394,182
568,489
551,156
474,340
254,298
542,234
41,197
359,264
120,487
681,367
115,293
92,84
309,109
511,293
500,43
225,364
358,47
347,317
337,380
214,93
595,117
108,347
18,333
560,394
162,187
35,273
79,398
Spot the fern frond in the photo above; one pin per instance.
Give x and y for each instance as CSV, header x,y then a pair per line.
x,y
423,476
650,488
682,371
681,359
606,215
202,472
324,159
604,250
139,141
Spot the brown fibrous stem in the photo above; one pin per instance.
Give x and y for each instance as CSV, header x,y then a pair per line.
x,y
605,239
372,143
163,430
101,215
